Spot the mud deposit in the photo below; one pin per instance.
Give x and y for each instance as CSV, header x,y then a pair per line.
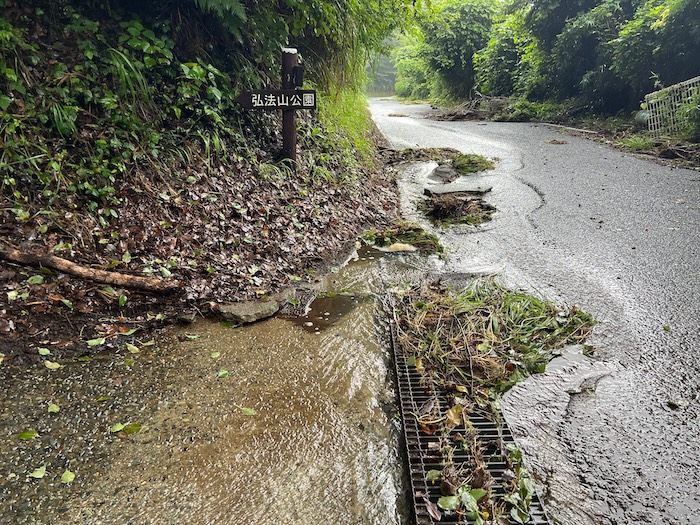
x,y
274,422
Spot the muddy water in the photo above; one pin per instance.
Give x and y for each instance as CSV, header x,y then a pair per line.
x,y
320,447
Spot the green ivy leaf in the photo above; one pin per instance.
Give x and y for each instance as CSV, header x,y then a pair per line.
x,y
248,411
52,365
132,428
433,475
132,348
44,351
448,502
117,427
96,342
53,408
222,373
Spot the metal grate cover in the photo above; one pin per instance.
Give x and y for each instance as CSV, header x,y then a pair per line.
x,y
420,448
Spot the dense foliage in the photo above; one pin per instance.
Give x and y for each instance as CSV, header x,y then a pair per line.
x,y
606,54
436,59
93,91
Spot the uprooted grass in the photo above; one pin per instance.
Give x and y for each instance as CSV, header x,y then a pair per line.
x,y
472,163
484,337
394,156
459,208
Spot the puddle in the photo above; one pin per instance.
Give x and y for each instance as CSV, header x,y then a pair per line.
x,y
321,447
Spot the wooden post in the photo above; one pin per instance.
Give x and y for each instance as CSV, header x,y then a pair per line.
x,y
289,124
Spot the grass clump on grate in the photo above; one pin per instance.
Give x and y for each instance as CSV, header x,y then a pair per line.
x,y
485,337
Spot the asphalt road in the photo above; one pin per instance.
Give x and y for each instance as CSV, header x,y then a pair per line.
x,y
614,439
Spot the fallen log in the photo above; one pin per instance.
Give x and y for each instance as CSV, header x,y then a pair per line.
x,y
149,284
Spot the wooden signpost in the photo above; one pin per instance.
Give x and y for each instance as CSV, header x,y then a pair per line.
x,y
288,99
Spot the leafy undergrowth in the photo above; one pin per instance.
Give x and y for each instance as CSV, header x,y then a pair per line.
x,y
122,149
405,233
472,345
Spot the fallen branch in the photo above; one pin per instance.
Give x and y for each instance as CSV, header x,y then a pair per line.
x,y
149,284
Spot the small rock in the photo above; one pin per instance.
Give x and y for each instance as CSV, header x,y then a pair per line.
x,y
675,404
444,173
249,311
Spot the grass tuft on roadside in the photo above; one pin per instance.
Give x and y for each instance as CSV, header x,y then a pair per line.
x,y
472,163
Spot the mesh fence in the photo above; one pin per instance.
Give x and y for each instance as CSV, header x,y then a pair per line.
x,y
664,106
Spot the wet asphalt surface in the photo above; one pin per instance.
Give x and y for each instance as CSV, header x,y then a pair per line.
x,y
615,438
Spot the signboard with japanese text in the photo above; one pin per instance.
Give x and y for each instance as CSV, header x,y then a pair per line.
x,y
278,99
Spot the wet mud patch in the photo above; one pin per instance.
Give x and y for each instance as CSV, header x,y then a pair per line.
x,y
456,208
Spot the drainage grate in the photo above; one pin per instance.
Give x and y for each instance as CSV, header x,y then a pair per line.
x,y
423,450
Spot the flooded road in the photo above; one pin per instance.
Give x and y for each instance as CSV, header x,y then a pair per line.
x,y
611,439
282,421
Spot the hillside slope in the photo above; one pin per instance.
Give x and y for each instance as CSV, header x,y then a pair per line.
x,y
121,149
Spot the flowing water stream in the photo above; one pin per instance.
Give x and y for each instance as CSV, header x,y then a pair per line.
x,y
282,421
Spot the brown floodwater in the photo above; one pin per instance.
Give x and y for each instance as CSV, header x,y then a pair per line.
x,y
302,429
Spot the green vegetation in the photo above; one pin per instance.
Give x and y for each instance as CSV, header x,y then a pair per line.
x,y
637,143
485,337
472,163
689,114
596,56
154,90
436,59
